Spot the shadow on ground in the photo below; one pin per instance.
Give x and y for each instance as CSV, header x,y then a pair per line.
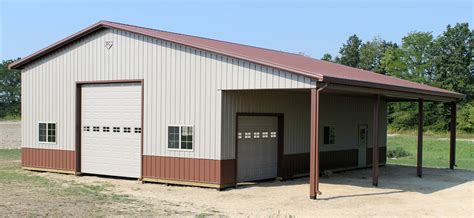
x,y
393,179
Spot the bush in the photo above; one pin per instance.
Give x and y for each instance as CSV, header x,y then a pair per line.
x,y
466,117
397,153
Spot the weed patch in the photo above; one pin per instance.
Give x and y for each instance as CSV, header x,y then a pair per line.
x,y
397,152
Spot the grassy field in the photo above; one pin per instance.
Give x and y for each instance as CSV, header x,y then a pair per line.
x,y
435,151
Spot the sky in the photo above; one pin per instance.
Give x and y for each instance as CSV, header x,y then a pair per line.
x,y
311,27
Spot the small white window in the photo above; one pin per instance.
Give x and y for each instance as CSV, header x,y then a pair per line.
x,y
256,135
248,135
273,134
239,135
47,132
264,134
180,137
105,129
138,130
116,129
126,129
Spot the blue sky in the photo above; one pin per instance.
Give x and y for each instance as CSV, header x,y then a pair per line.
x,y
312,27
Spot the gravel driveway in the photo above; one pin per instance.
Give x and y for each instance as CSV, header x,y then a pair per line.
x,y
10,134
441,192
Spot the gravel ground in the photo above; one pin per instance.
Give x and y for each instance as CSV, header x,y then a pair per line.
x,y
10,134
441,192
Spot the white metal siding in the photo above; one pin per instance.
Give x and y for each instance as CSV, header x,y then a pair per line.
x,y
345,113
182,85
110,152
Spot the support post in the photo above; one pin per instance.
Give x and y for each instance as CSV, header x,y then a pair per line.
x,y
452,144
314,159
375,142
419,160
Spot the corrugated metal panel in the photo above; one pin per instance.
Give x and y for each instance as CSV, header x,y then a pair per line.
x,y
182,85
344,112
189,169
294,105
48,159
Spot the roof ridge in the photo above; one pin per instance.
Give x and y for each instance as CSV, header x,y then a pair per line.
x,y
206,38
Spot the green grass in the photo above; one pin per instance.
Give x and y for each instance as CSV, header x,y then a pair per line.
x,y
10,154
10,118
435,151
433,134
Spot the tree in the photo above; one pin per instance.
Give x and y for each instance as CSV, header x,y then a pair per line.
x,y
411,61
392,63
453,71
9,90
417,55
445,61
466,117
371,54
453,60
327,57
349,52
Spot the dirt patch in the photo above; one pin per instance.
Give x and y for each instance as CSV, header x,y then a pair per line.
x,y
10,134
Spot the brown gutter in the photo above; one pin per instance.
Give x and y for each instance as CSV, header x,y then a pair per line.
x,y
314,143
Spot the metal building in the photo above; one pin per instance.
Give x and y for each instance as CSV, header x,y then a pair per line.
x,y
121,100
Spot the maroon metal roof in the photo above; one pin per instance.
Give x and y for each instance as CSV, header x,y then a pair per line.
x,y
322,70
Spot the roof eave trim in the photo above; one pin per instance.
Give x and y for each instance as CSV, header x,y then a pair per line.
x,y
453,95
19,64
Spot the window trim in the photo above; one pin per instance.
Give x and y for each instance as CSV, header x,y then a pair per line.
x,y
55,136
179,142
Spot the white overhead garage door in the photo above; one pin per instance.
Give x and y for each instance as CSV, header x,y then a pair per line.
x,y
257,144
111,129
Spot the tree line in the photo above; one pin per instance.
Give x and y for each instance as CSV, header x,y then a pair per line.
x,y
444,61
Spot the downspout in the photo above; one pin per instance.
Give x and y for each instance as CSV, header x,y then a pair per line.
x,y
314,158
317,135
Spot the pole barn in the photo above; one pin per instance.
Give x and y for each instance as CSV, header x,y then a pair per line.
x,y
127,101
